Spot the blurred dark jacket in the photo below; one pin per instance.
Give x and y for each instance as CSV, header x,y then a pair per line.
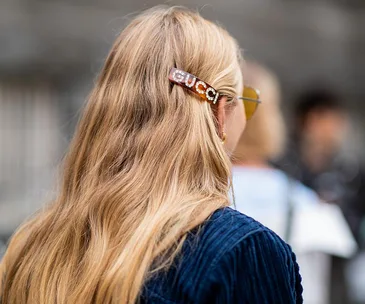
x,y
342,183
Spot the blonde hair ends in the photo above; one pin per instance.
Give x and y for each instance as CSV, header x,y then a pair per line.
x,y
145,166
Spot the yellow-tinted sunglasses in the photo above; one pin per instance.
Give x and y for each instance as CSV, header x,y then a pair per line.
x,y
251,100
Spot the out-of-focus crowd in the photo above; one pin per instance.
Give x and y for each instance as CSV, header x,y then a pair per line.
x,y
297,182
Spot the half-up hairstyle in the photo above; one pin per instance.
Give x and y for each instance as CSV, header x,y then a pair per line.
x,y
145,166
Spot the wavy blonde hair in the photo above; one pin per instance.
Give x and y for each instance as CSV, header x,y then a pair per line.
x,y
145,166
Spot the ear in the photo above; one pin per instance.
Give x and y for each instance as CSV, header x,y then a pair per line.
x,y
221,115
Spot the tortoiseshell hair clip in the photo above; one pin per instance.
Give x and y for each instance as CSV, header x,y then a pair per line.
x,y
250,96
194,84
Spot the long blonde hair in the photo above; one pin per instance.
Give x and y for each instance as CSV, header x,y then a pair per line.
x,y
145,166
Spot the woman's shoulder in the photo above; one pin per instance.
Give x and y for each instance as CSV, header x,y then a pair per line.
x,y
231,258
247,260
228,227
228,230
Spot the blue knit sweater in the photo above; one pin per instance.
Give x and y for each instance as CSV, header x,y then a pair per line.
x,y
231,258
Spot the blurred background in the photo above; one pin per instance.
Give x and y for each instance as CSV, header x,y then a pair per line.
x,y
52,50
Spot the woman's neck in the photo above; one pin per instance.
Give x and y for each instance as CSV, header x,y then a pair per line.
x,y
253,163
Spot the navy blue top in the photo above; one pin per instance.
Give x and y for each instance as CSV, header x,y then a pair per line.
x,y
231,258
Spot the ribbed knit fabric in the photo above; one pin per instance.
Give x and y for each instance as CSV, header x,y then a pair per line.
x,y
231,258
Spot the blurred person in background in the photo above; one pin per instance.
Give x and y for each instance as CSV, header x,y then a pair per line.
x,y
143,213
313,156
273,197
262,141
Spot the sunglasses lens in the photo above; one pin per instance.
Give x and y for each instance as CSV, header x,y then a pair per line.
x,y
250,108
252,101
